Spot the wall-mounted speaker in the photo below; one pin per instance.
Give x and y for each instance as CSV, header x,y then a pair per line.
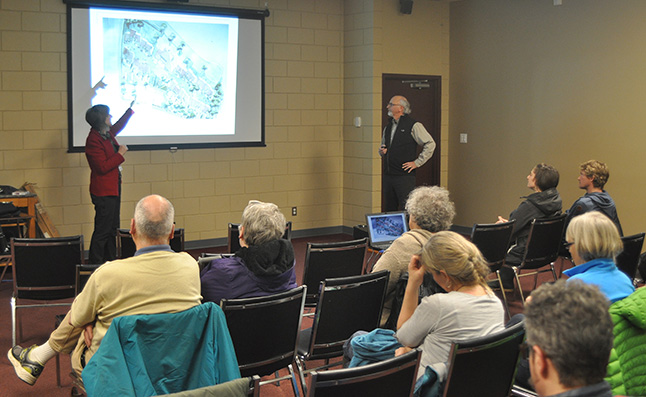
x,y
406,6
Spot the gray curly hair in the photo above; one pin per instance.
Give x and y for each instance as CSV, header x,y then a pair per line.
x,y
430,208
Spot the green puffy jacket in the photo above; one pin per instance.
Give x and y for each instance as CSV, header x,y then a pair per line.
x,y
627,366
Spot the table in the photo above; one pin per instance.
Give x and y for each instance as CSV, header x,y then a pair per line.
x,y
28,201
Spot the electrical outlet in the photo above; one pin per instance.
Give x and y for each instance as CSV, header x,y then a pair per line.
x,y
463,138
294,211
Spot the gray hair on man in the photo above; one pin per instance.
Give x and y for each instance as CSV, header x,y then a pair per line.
x,y
262,222
569,321
406,105
154,216
431,208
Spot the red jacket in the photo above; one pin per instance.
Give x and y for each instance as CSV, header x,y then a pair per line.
x,y
103,160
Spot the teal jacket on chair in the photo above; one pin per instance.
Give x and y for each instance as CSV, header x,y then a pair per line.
x,y
148,355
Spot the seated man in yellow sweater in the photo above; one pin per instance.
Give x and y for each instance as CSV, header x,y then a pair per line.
x,y
155,280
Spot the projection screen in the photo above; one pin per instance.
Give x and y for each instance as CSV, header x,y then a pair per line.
x,y
195,74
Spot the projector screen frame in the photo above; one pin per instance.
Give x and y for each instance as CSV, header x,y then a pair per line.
x,y
183,8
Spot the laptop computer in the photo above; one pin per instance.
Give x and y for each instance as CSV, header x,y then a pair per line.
x,y
385,227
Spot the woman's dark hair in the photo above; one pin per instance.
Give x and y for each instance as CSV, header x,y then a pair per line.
x,y
546,176
96,115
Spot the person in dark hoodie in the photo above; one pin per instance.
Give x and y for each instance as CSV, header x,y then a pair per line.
x,y
592,178
264,265
543,203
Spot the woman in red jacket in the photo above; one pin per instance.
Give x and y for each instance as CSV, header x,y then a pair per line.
x,y
105,155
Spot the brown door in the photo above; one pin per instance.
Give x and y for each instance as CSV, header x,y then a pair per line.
x,y
425,95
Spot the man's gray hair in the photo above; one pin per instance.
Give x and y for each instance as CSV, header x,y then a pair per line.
x,y
430,208
569,321
405,104
262,222
154,223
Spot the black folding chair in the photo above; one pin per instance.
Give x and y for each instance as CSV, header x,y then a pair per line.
x,y
265,332
485,366
345,305
44,270
542,249
393,378
628,259
492,239
233,242
126,246
332,260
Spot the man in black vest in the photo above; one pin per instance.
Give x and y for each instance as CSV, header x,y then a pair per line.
x,y
398,147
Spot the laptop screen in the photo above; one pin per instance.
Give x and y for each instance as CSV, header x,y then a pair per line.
x,y
385,227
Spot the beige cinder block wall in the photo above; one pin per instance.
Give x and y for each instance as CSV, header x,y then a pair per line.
x,y
324,60
533,82
301,165
379,39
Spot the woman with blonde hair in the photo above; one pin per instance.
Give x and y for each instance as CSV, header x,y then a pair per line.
x,y
594,243
468,310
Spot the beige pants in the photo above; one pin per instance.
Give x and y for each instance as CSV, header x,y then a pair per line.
x,y
68,339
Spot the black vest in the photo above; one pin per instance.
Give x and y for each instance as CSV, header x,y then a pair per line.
x,y
402,148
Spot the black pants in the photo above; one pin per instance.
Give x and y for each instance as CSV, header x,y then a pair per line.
x,y
103,246
396,190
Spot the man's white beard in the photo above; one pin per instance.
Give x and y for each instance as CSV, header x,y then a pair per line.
x,y
390,114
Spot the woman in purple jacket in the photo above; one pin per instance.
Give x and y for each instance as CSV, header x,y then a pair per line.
x,y
264,265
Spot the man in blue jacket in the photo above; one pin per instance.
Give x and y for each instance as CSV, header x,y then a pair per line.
x,y
592,178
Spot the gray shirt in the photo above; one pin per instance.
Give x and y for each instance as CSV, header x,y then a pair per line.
x,y
442,319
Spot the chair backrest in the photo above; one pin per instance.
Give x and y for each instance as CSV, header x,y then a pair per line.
x,y
392,377
543,242
17,226
207,257
485,366
346,305
45,268
628,259
126,246
332,260
492,239
265,330
83,273
233,243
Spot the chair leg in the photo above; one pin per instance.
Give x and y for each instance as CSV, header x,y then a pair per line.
x,y
294,380
301,372
19,322
504,295
520,288
563,260
553,271
78,389
6,265
13,321
58,370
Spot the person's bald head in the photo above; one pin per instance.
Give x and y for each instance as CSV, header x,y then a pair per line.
x,y
153,221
